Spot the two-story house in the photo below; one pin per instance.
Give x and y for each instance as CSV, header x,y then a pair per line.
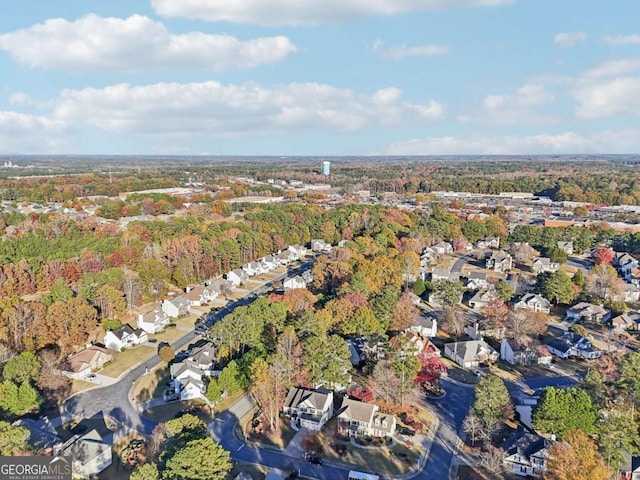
x,y
526,454
543,265
153,321
489,242
534,303
177,306
360,419
124,337
520,353
629,320
573,345
291,283
566,247
588,312
477,281
237,277
625,263
443,248
483,297
310,408
499,261
319,245
187,380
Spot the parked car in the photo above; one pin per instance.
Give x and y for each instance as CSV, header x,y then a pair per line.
x,y
314,459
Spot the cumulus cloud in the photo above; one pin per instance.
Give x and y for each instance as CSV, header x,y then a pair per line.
x,y
400,52
518,107
134,44
566,40
609,141
619,40
301,12
620,96
611,68
211,108
20,133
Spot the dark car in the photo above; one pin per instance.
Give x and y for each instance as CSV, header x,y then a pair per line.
x,y
407,431
315,459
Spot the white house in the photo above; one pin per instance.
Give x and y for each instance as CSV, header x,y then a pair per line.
x,y
489,242
566,247
270,262
520,353
124,337
630,293
153,321
254,268
187,381
319,245
428,257
627,321
90,454
588,312
483,297
443,248
360,419
573,345
625,263
311,409
298,251
427,326
477,280
237,277
544,264
533,302
291,283
499,261
177,306
526,454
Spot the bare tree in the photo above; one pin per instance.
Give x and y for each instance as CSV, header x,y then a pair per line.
x,y
522,323
131,289
473,426
453,321
492,460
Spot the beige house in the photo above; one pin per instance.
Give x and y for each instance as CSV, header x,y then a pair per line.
x,y
310,408
360,419
80,364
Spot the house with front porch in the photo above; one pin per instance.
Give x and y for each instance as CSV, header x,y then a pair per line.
x,y
187,380
524,353
499,261
477,281
153,321
360,419
484,297
311,409
573,345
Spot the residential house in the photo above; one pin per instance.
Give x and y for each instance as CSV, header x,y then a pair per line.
x,y
196,296
319,245
630,469
80,364
526,454
533,302
477,281
177,306
237,277
290,283
311,409
629,320
90,452
629,293
573,345
153,321
270,262
443,248
566,247
254,268
298,251
522,353
428,257
286,257
414,339
360,419
471,353
489,242
124,337
426,325
222,287
588,312
499,261
479,329
544,264
204,356
187,380
483,297
625,263
440,274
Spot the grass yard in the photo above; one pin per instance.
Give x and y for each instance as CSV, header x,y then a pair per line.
x,y
395,460
460,374
165,412
80,385
127,359
257,472
225,403
279,439
170,335
151,385
190,320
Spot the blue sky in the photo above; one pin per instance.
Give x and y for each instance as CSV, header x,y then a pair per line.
x,y
310,77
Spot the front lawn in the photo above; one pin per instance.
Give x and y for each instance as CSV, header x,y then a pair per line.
x,y
80,385
151,385
170,410
125,360
395,460
458,373
255,431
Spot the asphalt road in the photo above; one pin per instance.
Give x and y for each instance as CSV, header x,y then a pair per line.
x,y
459,263
581,263
114,400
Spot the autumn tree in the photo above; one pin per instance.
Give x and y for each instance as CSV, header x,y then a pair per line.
x,y
603,280
166,353
453,321
264,389
298,300
603,256
576,458
405,313
522,323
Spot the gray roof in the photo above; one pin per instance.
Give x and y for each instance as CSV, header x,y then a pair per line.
x,y
176,369
357,410
477,276
123,331
316,399
204,354
469,350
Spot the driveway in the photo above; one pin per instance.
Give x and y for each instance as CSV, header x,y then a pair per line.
x,y
459,264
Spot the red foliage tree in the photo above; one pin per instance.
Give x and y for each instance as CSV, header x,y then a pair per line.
x,y
364,394
604,256
431,371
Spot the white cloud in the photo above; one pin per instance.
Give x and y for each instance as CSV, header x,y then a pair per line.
x,y
134,44
620,96
611,68
609,141
518,107
400,52
618,40
566,40
20,133
210,108
309,12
